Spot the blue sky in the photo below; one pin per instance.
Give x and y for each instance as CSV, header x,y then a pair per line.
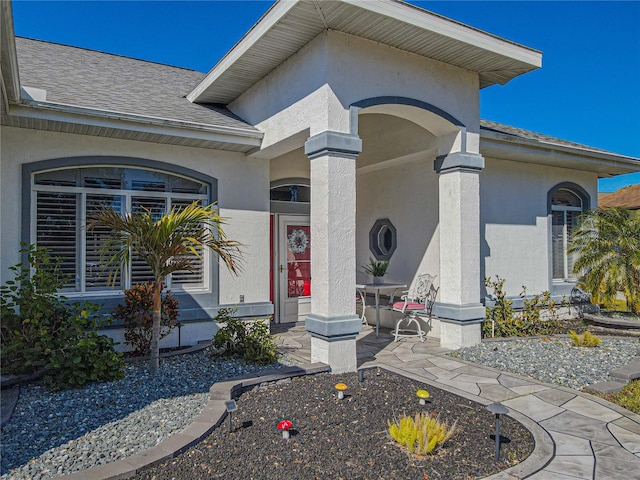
x,y
588,90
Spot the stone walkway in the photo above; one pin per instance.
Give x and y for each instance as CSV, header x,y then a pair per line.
x,y
577,436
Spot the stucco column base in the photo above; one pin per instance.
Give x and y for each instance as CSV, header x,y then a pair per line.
x,y
333,341
455,334
337,352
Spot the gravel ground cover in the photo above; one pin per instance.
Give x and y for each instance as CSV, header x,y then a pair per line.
x,y
554,360
53,433
346,438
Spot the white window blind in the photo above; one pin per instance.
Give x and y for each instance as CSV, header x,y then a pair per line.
x,y
57,229
566,208
196,275
64,199
96,277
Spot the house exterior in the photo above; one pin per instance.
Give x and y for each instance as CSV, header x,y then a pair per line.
x,y
626,197
332,132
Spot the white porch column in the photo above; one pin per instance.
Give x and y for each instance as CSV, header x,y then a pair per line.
x,y
459,309
332,322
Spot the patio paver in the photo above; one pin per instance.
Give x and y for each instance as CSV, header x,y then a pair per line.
x,y
578,436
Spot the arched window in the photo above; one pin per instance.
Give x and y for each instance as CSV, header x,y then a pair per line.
x,y
291,193
63,198
291,196
567,202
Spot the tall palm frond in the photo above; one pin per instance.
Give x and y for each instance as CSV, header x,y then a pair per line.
x,y
608,244
167,244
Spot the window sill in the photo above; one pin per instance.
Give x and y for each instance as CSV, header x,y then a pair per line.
x,y
120,293
563,287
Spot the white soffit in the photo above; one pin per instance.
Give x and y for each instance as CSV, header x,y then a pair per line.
x,y
290,24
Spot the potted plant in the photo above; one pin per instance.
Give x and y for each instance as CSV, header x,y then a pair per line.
x,y
376,268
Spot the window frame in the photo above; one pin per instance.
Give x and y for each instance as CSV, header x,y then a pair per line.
x,y
376,247
210,280
585,202
288,207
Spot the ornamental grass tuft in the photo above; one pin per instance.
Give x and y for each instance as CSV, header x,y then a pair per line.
x,y
420,434
587,339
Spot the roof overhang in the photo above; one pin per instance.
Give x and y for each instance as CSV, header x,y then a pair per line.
x,y
9,76
508,147
81,120
290,24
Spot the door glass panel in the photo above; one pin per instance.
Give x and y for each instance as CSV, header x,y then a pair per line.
x,y
298,261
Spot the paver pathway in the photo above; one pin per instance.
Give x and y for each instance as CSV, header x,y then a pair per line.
x,y
578,436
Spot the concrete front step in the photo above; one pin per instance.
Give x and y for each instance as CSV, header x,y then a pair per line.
x,y
629,372
618,378
606,387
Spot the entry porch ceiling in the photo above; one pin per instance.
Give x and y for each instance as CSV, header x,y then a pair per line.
x,y
290,24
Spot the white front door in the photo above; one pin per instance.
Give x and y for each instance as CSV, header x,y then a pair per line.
x,y
294,266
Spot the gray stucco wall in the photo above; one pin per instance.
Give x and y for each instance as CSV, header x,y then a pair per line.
x,y
515,225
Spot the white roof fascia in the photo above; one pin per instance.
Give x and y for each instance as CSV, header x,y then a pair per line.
x,y
397,10
447,27
593,160
125,121
262,26
9,64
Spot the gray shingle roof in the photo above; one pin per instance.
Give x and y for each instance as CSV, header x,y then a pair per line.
x,y
488,125
97,80
93,79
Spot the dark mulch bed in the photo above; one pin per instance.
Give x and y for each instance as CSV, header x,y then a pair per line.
x,y
346,438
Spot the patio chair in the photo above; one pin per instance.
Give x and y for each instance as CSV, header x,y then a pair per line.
x,y
416,301
361,298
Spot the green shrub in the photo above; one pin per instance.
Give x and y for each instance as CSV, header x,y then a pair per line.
x,y
137,315
250,341
79,355
421,434
41,332
587,339
502,320
31,311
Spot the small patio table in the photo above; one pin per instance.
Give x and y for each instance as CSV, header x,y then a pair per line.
x,y
376,288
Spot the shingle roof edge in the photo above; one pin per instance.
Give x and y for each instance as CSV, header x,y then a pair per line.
x,y
37,109
528,136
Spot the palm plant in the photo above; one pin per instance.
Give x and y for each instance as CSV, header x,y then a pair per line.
x,y
166,244
608,244
376,268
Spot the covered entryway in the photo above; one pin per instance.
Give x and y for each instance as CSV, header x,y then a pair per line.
x,y
327,71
